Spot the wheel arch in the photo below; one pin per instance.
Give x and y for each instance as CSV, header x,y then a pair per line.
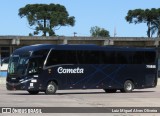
x,y
128,86
53,80
129,79
52,87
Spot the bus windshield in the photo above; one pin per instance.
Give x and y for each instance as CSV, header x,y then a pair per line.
x,y
17,65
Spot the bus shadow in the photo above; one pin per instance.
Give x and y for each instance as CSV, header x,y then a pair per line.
x,y
66,93
71,93
76,93
24,94
142,91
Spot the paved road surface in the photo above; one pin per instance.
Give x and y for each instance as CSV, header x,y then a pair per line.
x,y
82,98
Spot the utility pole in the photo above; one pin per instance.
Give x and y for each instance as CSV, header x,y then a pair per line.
x,y
115,33
74,34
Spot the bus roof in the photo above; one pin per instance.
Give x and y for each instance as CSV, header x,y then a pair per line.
x,y
37,47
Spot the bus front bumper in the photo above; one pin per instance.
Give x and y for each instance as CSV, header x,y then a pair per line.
x,y
26,85
15,86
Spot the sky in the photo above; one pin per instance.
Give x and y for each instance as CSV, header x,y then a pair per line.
x,y
107,14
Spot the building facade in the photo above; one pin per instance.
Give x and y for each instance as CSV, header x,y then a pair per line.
x,y
9,43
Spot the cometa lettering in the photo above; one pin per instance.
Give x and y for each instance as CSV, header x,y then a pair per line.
x,y
62,70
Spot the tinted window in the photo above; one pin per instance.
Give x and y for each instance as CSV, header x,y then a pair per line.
x,y
108,57
100,57
121,58
88,57
61,57
139,57
41,53
150,57
128,57
33,66
70,56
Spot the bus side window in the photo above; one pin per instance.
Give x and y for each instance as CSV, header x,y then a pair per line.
x,y
62,57
88,57
109,57
150,57
80,57
92,57
71,57
124,57
33,67
55,57
139,57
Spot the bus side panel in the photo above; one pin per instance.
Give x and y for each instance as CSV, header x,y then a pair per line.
x,y
141,76
151,76
92,76
97,76
135,73
76,76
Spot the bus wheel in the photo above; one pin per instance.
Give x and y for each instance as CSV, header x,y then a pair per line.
x,y
51,88
110,90
128,86
33,92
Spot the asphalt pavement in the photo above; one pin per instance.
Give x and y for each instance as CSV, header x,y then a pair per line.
x,y
82,98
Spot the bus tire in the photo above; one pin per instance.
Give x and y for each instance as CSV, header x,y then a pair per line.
x,y
127,87
51,88
110,90
33,92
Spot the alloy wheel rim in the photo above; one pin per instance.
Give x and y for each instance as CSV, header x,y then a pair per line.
x,y
50,88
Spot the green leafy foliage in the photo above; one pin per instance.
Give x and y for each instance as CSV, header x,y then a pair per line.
x,y
155,24
46,18
99,32
149,16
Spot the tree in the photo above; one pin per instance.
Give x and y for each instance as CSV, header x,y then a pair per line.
x,y
148,18
46,18
99,32
155,25
142,16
